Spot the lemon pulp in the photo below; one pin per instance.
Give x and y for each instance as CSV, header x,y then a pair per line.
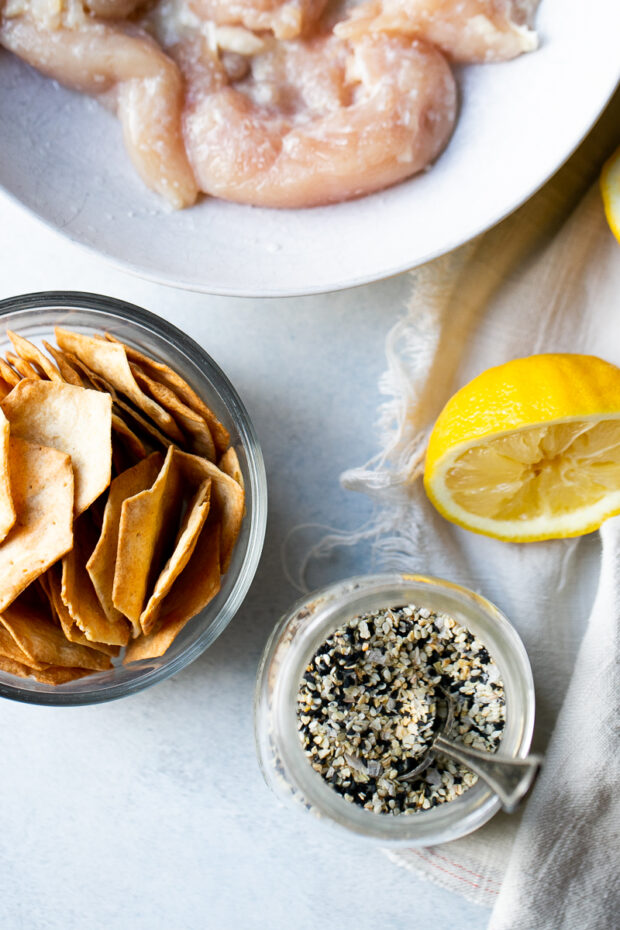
x,y
550,470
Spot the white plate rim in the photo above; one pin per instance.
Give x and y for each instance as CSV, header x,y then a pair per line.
x,y
351,281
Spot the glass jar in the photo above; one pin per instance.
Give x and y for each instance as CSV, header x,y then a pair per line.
x,y
34,317
293,643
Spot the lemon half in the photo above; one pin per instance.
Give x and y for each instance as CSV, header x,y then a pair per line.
x,y
530,450
610,189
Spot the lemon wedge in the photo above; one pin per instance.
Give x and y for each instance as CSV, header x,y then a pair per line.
x,y
530,450
610,189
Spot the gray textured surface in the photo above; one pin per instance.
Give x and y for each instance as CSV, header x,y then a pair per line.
x,y
151,812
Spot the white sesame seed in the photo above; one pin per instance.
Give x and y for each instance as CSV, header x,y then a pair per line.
x,y
379,709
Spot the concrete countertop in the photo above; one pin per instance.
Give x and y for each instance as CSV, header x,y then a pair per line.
x,y
150,813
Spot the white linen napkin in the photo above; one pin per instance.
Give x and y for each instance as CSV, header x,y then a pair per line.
x,y
546,279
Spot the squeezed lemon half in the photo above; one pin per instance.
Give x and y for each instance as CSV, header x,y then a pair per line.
x,y
530,450
610,189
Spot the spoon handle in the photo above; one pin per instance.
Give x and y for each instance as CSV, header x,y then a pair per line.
x,y
509,778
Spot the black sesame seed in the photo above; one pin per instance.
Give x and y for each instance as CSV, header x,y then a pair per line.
x,y
346,694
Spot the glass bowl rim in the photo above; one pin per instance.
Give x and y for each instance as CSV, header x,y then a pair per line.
x,y
133,314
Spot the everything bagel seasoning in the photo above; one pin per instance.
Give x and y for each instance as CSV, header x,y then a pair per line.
x,y
373,696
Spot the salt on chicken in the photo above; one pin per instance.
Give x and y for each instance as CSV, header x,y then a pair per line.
x,y
262,101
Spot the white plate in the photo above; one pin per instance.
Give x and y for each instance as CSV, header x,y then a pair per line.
x,y
62,157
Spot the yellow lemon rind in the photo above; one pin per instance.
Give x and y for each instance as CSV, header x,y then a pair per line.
x,y
507,398
611,166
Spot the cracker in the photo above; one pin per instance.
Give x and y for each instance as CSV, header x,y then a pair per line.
x,y
68,374
8,374
185,543
193,590
44,642
23,367
108,360
72,420
7,508
42,490
50,675
79,595
101,565
127,437
167,376
62,615
33,355
227,500
229,464
147,526
192,424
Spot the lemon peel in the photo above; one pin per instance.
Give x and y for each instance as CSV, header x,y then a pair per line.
x,y
610,189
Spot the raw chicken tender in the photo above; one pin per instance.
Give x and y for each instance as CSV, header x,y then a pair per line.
x,y
466,30
259,101
132,71
318,121
287,19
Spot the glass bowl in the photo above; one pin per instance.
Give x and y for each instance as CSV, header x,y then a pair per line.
x,y
295,640
34,317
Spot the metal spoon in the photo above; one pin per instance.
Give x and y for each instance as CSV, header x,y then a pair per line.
x,y
509,778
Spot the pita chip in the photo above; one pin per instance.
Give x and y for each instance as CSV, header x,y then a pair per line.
x,y
23,367
4,388
185,543
72,420
64,618
229,464
14,666
44,642
42,489
10,650
227,499
101,565
8,374
127,437
192,424
120,408
79,595
33,355
193,590
53,675
170,378
147,526
109,361
7,508
48,675
67,373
